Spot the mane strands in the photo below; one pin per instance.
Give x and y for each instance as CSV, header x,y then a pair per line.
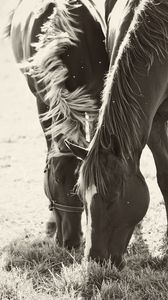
x,y
66,109
121,113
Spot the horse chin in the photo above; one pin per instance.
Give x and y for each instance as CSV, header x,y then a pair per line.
x,y
116,260
72,245
111,251
68,243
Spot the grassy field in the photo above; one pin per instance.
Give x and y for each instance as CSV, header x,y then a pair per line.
x,y
36,269
33,267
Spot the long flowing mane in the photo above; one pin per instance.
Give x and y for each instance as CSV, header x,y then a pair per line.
x,y
67,109
121,114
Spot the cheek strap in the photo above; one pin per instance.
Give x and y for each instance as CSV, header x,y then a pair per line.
x,y
53,203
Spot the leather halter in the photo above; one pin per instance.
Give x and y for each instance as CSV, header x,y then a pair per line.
x,y
53,203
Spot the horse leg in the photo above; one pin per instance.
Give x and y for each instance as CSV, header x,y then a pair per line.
x,y
158,144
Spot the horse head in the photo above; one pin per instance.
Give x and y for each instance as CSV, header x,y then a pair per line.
x,y
60,178
112,193
62,53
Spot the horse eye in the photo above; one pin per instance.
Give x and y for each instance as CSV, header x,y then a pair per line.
x,y
57,179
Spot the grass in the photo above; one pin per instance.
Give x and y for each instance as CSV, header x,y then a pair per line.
x,y
36,269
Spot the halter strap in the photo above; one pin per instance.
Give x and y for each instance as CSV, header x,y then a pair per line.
x,y
53,203
66,208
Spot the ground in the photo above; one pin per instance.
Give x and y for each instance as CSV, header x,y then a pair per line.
x,y
23,205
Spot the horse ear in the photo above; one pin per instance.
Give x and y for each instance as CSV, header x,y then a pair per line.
x,y
115,145
78,151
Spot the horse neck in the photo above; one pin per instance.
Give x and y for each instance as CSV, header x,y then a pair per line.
x,y
89,63
75,87
118,25
109,4
130,101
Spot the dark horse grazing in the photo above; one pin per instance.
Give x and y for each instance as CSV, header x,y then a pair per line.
x,y
134,113
64,44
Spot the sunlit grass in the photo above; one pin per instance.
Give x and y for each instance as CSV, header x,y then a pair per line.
x,y
37,269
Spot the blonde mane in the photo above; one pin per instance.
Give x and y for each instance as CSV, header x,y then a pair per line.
x,y
66,109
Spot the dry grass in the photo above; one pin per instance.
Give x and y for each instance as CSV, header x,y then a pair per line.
x,y
38,269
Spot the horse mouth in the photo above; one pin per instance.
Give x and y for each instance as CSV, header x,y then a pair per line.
x,y
68,244
116,261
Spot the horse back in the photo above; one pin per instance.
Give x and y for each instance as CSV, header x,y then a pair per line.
x,y
87,61
25,27
119,21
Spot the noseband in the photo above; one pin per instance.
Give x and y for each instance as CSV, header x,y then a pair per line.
x,y
53,203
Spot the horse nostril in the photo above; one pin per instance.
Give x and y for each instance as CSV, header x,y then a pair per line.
x,y
118,262
69,244
98,256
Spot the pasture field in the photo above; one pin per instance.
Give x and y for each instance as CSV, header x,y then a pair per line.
x,y
31,266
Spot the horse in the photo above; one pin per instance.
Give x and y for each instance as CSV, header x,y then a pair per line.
x,y
133,114
60,48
